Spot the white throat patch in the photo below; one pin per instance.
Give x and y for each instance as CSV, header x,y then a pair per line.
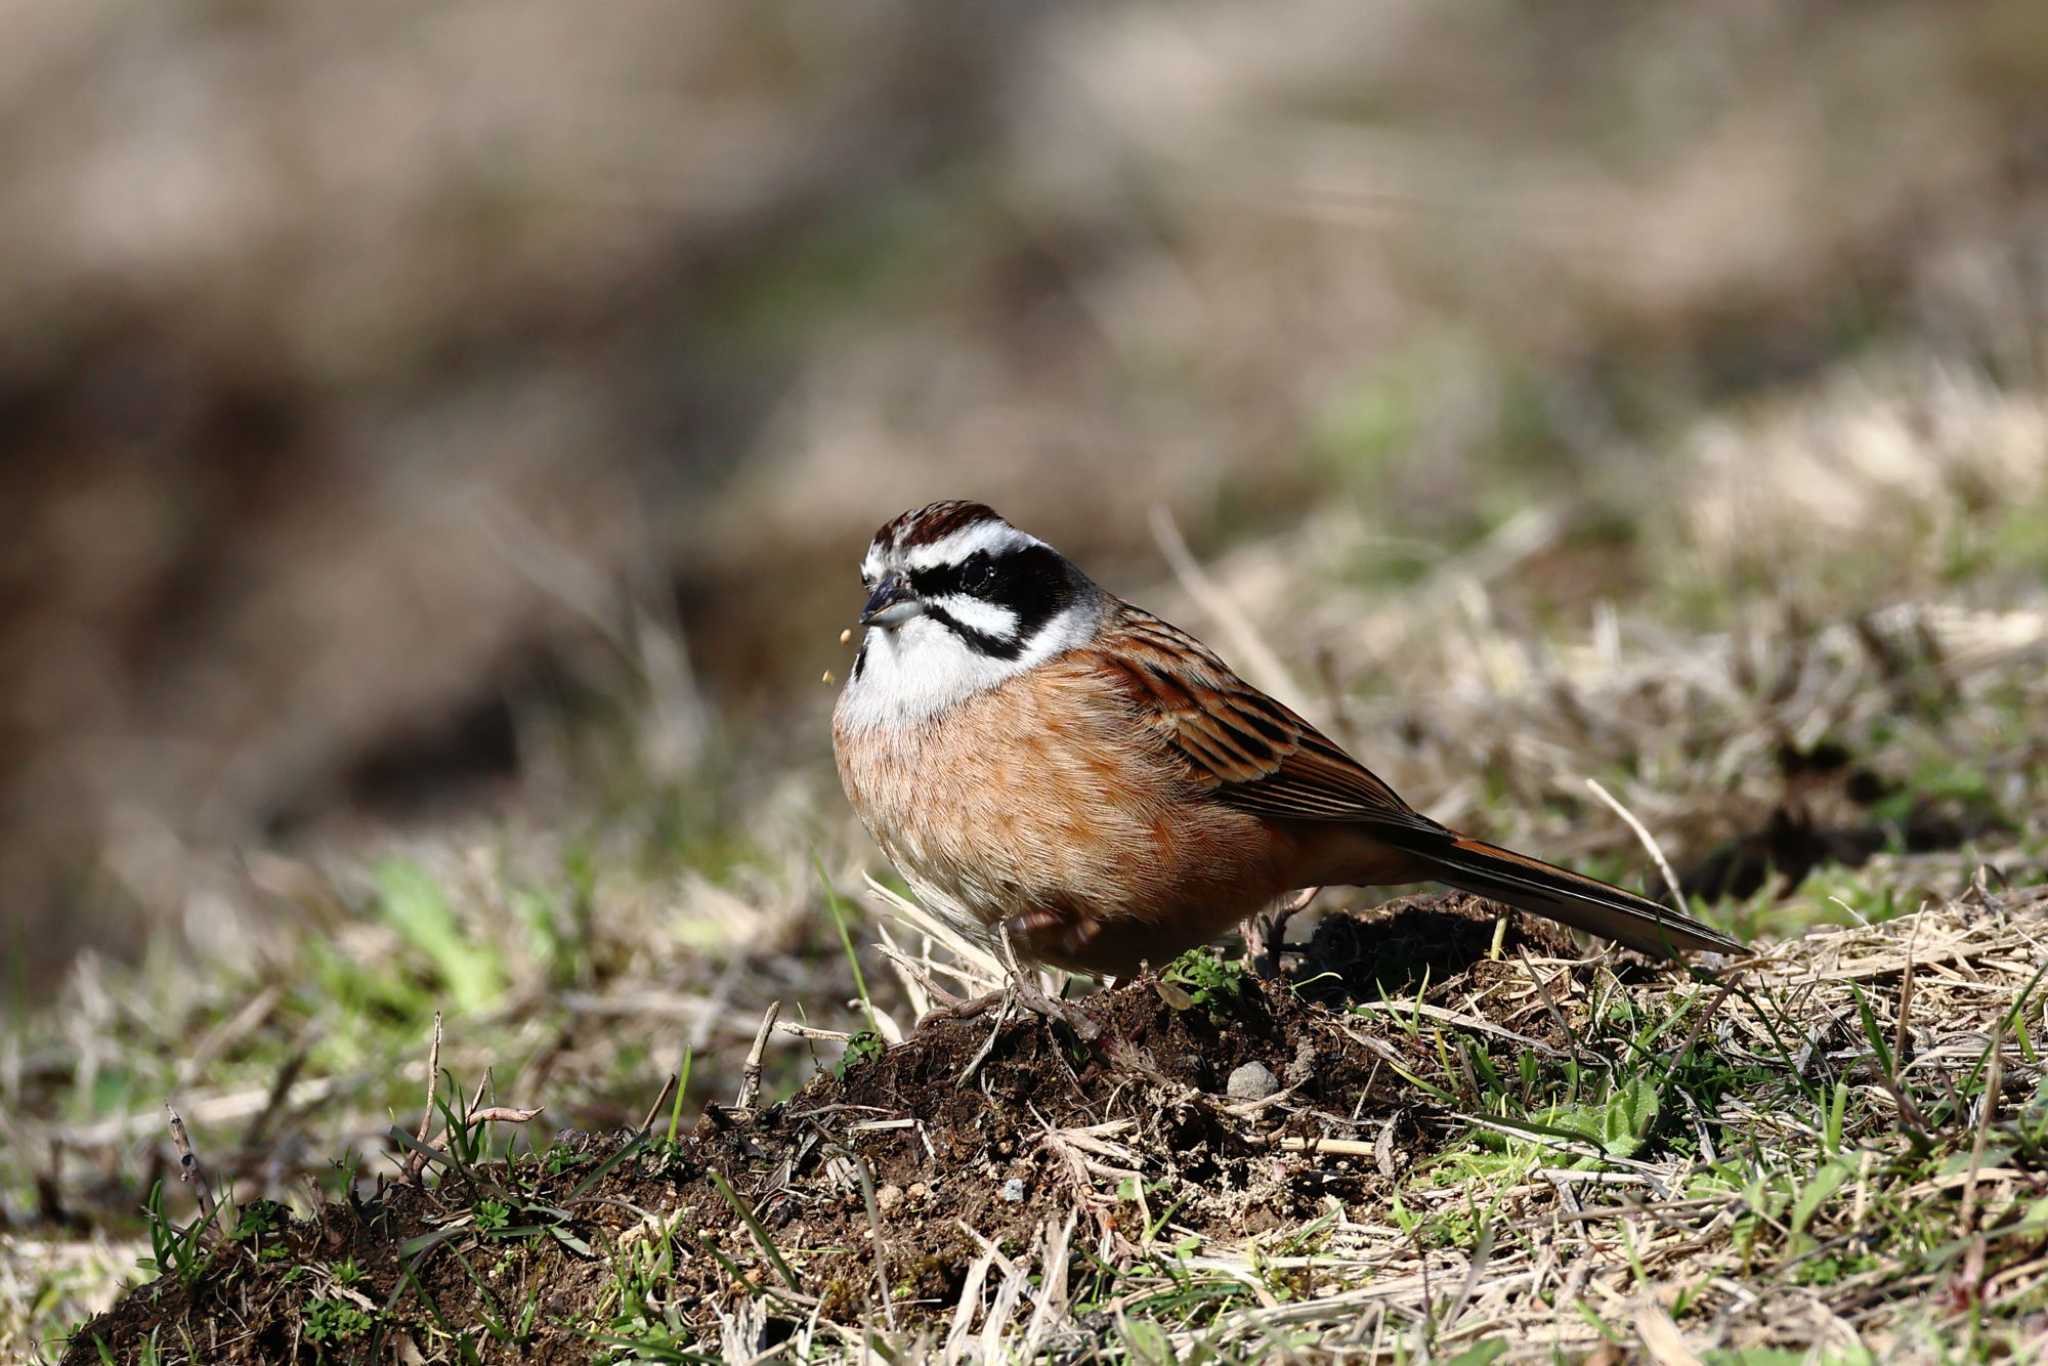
x,y
918,670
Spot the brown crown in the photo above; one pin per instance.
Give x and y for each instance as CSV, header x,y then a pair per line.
x,y
934,522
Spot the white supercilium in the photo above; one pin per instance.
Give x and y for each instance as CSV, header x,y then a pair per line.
x,y
997,538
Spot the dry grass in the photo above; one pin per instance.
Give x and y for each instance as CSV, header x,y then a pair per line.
x,y
1838,1147
1797,626
1836,1151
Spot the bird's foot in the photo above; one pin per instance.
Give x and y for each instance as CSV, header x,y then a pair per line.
x,y
946,1006
1018,993
1040,930
1051,1008
1265,932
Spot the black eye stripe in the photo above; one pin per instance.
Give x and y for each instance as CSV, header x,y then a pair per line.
x,y
1032,582
978,575
1036,584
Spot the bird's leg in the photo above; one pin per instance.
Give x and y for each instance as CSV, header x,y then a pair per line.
x,y
1050,934
1265,932
1026,992
1019,988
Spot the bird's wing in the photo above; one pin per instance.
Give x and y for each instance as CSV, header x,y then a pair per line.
x,y
1251,752
1236,742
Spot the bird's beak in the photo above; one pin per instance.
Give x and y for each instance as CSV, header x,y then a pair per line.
x,y
891,604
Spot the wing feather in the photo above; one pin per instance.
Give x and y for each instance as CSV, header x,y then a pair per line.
x,y
1237,742
1253,753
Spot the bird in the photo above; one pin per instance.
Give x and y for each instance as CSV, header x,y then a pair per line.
x,y
1049,765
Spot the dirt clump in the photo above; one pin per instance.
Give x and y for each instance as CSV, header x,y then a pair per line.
x,y
972,1134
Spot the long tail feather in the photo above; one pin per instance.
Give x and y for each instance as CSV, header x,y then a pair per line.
x,y
1582,902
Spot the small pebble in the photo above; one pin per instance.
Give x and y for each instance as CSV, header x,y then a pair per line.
x,y
1253,1081
1013,1190
919,1190
888,1198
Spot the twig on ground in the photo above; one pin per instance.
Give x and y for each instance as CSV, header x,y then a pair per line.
x,y
189,1170
505,1114
416,1160
668,1088
1902,1037
1336,1147
1994,1077
798,1030
750,1074
1642,833
476,1112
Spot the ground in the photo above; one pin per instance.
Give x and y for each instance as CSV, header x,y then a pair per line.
x,y
1503,1149
1815,681
1488,1140
1624,427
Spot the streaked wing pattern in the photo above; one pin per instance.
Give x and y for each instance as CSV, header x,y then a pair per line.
x,y
1260,757
1249,749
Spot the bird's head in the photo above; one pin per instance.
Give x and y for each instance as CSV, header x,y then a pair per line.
x,y
958,601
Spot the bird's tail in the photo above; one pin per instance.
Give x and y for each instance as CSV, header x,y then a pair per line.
x,y
1544,889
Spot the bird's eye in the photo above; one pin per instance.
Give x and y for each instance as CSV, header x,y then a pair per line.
x,y
978,574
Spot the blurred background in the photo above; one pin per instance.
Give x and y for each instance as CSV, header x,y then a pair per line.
x,y
439,443
470,419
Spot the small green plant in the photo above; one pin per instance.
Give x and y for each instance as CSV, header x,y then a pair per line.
x,y
646,1324
176,1252
334,1320
345,1175
862,1048
493,1216
257,1218
254,1223
675,1114
346,1272
148,1355
1209,981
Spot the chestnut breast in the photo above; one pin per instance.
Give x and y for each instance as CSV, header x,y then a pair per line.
x,y
1047,791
